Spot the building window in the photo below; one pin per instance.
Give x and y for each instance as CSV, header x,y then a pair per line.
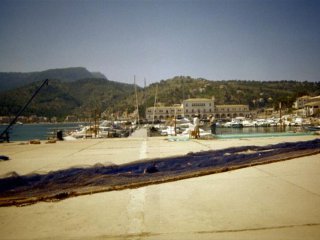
x,y
198,105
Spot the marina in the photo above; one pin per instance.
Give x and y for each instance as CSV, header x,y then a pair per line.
x,y
45,131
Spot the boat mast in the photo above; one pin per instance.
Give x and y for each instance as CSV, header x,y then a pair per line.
x,y
137,105
154,105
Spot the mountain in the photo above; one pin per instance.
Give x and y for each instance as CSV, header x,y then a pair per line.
x,y
83,97
98,75
59,98
13,80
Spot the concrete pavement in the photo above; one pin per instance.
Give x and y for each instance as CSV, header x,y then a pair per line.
x,y
274,201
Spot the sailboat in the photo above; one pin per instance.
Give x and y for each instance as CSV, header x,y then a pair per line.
x,y
137,104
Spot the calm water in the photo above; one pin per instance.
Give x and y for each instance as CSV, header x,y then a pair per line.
x,y
257,131
43,131
40,131
254,130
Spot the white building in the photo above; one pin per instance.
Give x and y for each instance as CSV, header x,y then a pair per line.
x,y
307,106
164,112
233,111
201,106
312,109
301,101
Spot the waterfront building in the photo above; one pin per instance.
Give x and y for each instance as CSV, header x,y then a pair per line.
x,y
307,106
233,111
200,106
203,107
162,112
312,109
301,101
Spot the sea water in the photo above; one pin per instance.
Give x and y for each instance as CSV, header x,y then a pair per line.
x,y
257,130
41,131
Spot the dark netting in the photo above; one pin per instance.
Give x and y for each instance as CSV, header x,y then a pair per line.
x,y
57,185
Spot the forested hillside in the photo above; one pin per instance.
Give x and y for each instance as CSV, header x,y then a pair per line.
x,y
84,96
256,94
66,98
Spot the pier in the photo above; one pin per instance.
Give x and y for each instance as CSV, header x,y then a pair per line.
x,y
278,200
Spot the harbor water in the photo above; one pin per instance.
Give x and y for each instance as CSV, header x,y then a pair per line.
x,y
43,131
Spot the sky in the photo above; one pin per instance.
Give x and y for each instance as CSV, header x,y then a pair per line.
x,y
157,40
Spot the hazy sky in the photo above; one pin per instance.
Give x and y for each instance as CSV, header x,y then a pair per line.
x,y
216,40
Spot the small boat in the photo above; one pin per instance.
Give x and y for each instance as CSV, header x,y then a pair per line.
x,y
170,131
262,123
235,123
248,123
106,129
84,132
312,128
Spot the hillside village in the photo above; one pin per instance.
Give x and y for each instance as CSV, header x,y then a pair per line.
x,y
305,106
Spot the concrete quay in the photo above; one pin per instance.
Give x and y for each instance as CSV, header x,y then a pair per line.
x,y
273,201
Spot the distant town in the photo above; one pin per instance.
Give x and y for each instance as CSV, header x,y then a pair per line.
x,y
305,106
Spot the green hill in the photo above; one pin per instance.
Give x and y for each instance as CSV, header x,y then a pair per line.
x,y
65,98
257,94
82,97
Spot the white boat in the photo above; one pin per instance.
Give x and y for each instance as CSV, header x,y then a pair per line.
x,y
182,121
234,123
84,132
171,131
181,125
313,128
104,130
262,123
248,123
188,131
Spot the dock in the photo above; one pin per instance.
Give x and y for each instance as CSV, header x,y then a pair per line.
x,y
273,201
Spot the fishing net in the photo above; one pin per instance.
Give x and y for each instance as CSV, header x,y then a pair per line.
x,y
57,185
